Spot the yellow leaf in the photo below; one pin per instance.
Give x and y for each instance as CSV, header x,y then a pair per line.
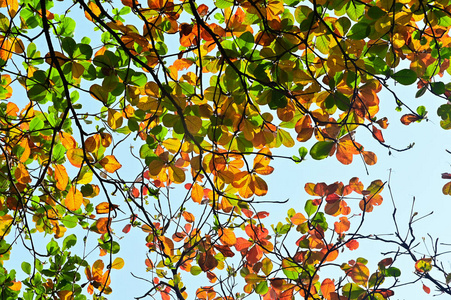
x,y
114,118
61,177
5,221
74,199
193,123
118,263
173,145
110,164
85,176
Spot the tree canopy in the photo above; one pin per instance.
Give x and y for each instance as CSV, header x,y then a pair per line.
x,y
106,107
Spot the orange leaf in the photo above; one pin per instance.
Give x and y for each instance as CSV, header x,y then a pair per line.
x,y
74,199
26,152
227,236
378,134
342,226
75,157
298,219
327,287
189,217
67,140
167,246
426,289
110,164
409,118
61,177
197,193
105,207
352,244
345,150
22,175
16,286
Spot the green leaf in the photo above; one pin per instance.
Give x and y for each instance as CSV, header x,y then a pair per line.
x,y
303,152
392,272
195,270
352,291
290,269
310,208
70,221
26,267
223,3
36,124
52,247
262,288
66,27
359,31
355,10
405,77
321,150
69,241
438,88
278,100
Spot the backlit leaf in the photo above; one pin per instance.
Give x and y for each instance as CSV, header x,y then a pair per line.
x,y
110,163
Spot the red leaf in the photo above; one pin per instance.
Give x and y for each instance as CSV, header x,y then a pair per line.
x,y
446,176
426,289
332,198
127,228
261,215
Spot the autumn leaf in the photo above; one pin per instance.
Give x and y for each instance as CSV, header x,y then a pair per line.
x,y
227,236
62,179
74,199
105,207
75,157
115,119
118,263
327,287
110,163
409,118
